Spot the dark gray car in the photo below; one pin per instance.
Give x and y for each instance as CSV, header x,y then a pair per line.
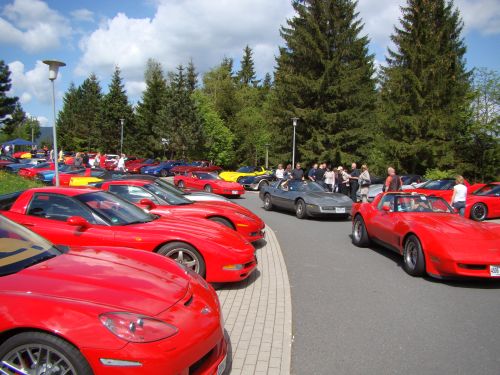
x,y
305,198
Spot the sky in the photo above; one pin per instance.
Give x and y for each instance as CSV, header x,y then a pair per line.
x,y
94,36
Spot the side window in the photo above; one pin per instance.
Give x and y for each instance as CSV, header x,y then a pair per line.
x,y
132,193
387,200
57,207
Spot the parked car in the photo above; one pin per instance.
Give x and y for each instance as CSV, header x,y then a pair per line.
x,y
242,172
484,203
200,166
161,169
81,216
31,171
305,198
47,176
137,166
158,200
441,188
102,311
210,182
6,160
23,163
429,235
257,182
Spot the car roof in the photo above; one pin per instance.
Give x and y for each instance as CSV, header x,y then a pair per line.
x,y
63,190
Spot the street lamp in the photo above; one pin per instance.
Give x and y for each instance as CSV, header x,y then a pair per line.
x,y
53,70
294,119
122,121
267,155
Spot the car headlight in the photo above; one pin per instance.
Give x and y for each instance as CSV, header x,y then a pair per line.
x,y
136,328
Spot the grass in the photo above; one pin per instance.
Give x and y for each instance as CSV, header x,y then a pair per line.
x,y
10,183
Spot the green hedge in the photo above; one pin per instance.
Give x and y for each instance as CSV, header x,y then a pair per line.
x,y
10,183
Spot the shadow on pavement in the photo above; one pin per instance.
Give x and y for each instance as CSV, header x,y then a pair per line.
x,y
259,244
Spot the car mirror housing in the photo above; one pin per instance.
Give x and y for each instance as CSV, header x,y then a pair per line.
x,y
78,221
148,203
386,208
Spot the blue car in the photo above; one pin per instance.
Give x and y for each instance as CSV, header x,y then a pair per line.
x,y
23,163
162,169
47,176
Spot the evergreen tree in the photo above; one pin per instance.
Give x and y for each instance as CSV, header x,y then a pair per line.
x,y
17,118
425,88
88,131
268,82
115,107
68,120
7,104
219,85
324,77
28,129
246,75
148,109
192,77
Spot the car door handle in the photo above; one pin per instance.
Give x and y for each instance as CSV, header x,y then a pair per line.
x,y
28,224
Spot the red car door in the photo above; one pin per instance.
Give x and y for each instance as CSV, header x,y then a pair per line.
x,y
47,215
383,223
195,182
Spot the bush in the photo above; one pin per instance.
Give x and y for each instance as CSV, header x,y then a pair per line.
x,y
436,174
10,183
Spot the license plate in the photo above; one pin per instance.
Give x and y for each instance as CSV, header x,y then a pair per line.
x,y
495,270
340,210
234,192
222,366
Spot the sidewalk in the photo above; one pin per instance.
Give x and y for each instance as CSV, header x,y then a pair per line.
x,y
258,315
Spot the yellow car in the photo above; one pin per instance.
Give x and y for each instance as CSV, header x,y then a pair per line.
x,y
242,172
83,180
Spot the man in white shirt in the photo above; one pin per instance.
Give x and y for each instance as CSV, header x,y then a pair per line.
x,y
121,164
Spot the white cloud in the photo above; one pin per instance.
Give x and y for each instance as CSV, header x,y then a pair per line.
x,y
44,121
481,15
32,25
83,15
135,88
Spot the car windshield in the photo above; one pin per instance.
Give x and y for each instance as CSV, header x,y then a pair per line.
x,y
246,169
439,185
172,198
490,189
207,176
313,187
113,209
421,203
20,248
41,165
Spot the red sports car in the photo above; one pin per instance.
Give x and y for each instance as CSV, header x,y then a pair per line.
x,y
75,217
210,182
180,169
431,238
102,311
136,167
158,200
33,170
441,188
484,203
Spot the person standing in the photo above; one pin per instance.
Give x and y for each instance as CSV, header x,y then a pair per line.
x,y
297,173
311,175
459,195
121,164
353,181
319,176
364,183
97,160
393,181
78,161
85,159
330,179
280,172
287,174
343,181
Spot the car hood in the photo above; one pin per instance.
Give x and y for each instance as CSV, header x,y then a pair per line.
x,y
103,278
328,198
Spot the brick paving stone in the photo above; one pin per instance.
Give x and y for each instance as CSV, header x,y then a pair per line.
x,y
258,315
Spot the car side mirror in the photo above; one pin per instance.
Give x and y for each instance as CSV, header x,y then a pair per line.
x,y
148,203
386,208
78,221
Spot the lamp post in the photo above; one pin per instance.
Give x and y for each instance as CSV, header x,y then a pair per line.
x,y
54,66
122,121
294,119
267,155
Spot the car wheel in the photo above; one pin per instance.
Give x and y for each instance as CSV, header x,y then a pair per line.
x,y
207,188
223,221
41,353
164,173
268,204
359,234
184,254
300,209
413,256
478,212
262,184
181,184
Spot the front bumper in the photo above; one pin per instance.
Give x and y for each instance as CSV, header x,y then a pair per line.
x,y
339,210
451,268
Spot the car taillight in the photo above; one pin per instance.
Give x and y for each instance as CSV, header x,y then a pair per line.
x,y
136,328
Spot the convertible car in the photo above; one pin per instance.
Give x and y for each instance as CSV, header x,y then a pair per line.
x,y
76,217
242,172
102,311
47,176
428,234
484,203
257,182
210,182
305,198
158,200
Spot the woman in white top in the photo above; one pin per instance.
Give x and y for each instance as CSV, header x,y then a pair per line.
x,y
459,195
280,172
330,178
364,183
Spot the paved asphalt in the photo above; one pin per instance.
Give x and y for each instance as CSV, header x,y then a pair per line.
x,y
355,311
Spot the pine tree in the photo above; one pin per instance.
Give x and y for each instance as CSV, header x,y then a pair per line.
x,y
219,85
324,77
7,104
425,88
246,75
68,120
192,77
148,109
17,117
88,131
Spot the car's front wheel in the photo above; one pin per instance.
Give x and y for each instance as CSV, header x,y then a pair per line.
x,y
41,353
207,188
184,254
164,173
180,184
263,184
413,256
223,221
301,209
359,234
479,212
268,204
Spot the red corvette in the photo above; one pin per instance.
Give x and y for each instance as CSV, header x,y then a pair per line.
x,y
430,237
33,170
102,311
76,217
180,169
441,188
158,200
484,203
210,182
136,167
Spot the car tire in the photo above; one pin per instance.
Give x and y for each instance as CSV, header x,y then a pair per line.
x,y
413,256
180,184
478,212
32,349
184,254
164,173
360,236
207,188
301,209
223,221
263,184
268,204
